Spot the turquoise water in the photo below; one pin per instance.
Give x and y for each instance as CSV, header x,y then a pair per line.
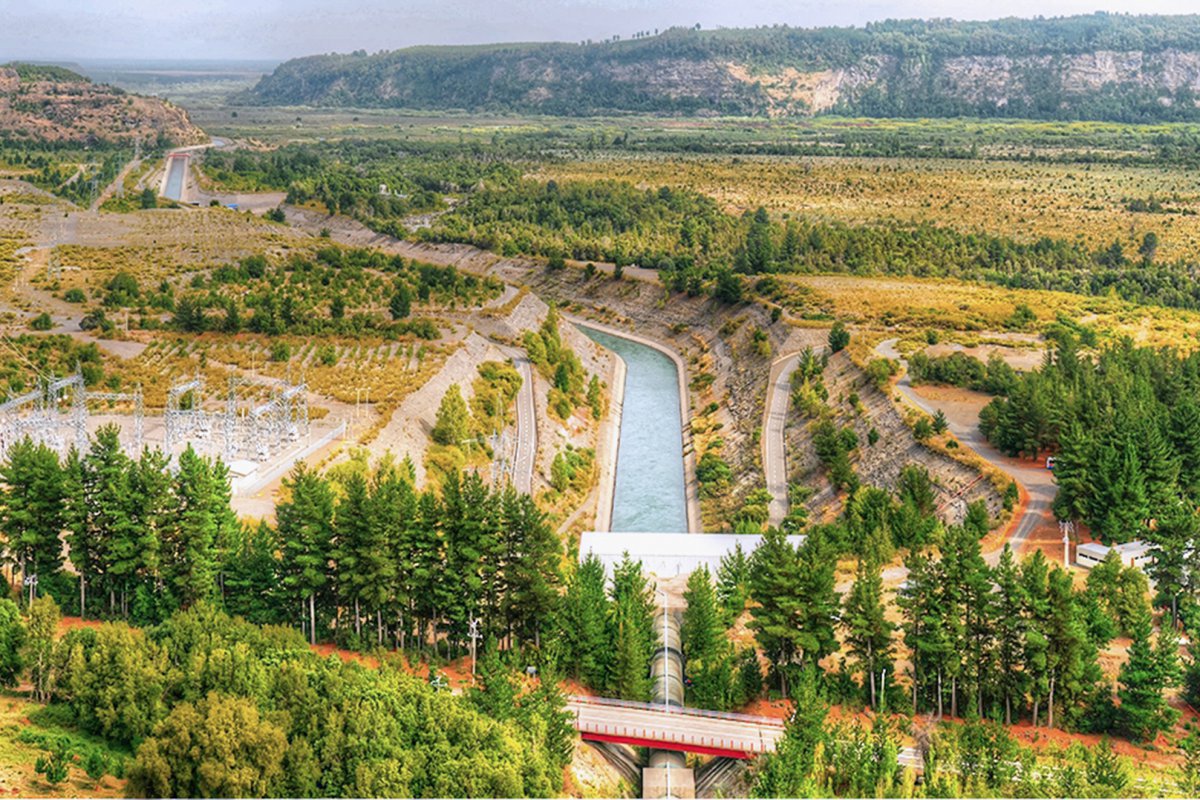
x,y
649,492
174,189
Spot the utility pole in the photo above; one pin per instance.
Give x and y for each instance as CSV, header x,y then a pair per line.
x,y
1067,527
473,634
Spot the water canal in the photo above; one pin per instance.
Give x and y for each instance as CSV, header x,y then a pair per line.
x,y
649,491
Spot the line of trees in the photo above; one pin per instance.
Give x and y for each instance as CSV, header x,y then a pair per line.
x,y
1006,642
367,559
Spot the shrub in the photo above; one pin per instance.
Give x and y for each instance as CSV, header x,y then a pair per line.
x,y
839,337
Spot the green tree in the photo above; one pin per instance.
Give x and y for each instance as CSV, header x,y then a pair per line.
x,y
149,198
12,643
400,305
453,418
584,623
31,516
1010,629
705,647
306,540
869,632
790,770
217,747
41,631
733,579
631,631
775,588
1144,711
55,764
839,337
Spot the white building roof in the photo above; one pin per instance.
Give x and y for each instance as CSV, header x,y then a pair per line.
x,y
1094,549
668,554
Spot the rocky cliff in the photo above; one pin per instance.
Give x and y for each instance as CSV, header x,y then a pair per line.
x,y
1131,68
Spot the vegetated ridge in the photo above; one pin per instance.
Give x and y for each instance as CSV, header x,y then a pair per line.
x,y
1101,66
41,103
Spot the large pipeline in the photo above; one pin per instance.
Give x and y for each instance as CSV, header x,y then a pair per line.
x,y
667,672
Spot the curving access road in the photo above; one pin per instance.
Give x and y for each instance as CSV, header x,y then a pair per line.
x,y
1037,481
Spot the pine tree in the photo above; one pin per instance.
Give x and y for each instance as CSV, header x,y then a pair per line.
x,y
154,508
12,643
759,252
104,543
31,517
789,771
630,675
631,631
1144,711
251,572
776,590
1160,468
584,623
705,647
383,557
819,601
352,523
1034,578
530,573
1073,472
1185,437
1071,655
733,577
1010,628
1175,567
967,602
925,631
869,631
400,305
305,539
82,537
1119,505
202,530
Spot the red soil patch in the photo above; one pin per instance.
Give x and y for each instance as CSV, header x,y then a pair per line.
x,y
67,623
326,650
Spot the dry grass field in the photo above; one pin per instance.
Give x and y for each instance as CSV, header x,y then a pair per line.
x,y
1024,200
893,306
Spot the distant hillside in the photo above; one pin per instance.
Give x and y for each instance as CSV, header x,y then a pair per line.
x,y
1112,67
52,104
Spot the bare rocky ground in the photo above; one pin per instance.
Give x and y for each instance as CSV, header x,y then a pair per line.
x,y
879,464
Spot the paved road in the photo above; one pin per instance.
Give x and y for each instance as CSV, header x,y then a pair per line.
x,y
774,444
686,727
1037,481
526,451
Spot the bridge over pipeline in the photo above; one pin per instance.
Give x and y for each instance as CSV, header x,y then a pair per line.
x,y
671,728
689,730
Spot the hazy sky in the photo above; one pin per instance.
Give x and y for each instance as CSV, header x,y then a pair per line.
x,y
279,29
